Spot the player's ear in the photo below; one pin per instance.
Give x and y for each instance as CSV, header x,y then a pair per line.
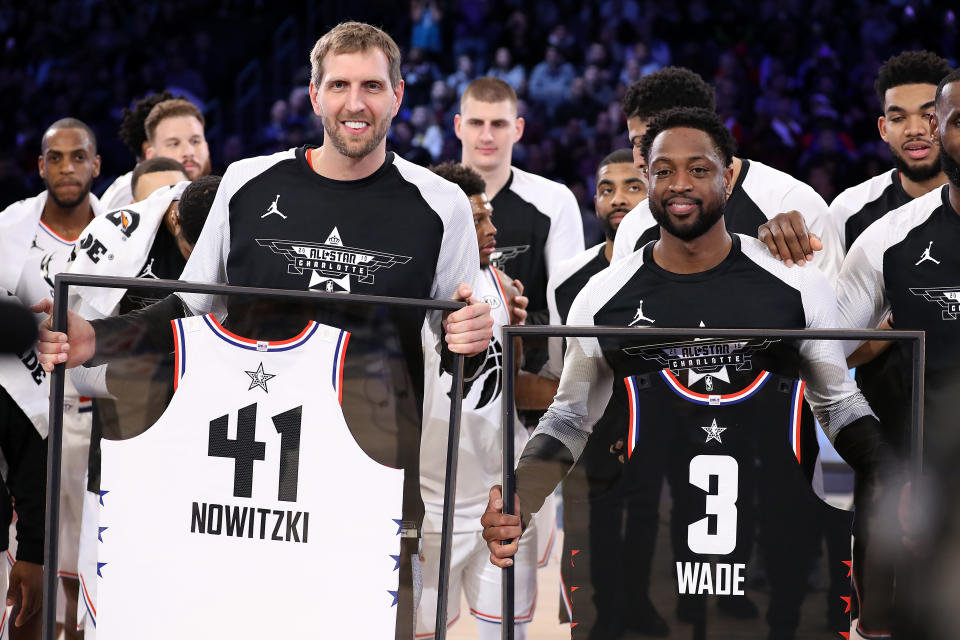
x,y
728,179
457,122
149,152
41,168
314,99
96,166
398,94
882,126
518,133
935,129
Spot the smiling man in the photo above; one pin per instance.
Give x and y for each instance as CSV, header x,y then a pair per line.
x,y
343,217
724,280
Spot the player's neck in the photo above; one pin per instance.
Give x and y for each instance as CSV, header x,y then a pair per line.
x,y
737,165
916,189
695,256
67,222
495,178
608,250
954,195
330,163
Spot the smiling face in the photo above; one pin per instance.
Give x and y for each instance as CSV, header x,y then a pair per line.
x,y
488,131
905,127
688,182
356,101
619,189
483,222
948,129
68,165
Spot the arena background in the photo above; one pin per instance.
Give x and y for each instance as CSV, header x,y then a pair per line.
x,y
794,78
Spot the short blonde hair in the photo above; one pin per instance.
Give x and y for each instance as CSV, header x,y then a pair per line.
x,y
170,109
348,37
489,89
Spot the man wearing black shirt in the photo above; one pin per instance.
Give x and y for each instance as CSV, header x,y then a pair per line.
x,y
725,280
347,217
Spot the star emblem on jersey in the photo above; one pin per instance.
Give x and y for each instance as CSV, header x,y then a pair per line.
x,y
504,254
947,297
713,432
926,256
259,378
331,263
639,317
273,209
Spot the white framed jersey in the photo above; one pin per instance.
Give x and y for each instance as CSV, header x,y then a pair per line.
x,y
255,484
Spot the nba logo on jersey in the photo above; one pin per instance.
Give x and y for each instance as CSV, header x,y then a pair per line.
x,y
239,488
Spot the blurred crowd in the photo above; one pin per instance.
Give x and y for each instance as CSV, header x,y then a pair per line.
x,y
793,77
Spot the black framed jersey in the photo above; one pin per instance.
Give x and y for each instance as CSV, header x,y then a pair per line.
x,y
263,459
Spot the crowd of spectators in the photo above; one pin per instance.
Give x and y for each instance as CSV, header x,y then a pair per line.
x,y
794,78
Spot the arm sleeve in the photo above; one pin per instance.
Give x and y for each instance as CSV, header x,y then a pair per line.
x,y
26,455
583,394
143,331
208,261
458,262
819,220
631,228
565,239
861,295
833,395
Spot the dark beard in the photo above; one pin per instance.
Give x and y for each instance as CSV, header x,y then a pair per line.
x,y
703,223
950,167
920,173
68,204
609,232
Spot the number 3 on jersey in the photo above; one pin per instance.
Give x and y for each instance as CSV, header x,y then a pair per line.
x,y
246,449
721,506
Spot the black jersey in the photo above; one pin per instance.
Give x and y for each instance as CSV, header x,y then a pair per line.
x,y
538,226
748,289
760,193
906,263
564,285
860,206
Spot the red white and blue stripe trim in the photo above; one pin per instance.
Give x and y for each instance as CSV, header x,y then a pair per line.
x,y
520,618
260,345
633,426
707,399
88,602
179,353
339,355
56,236
499,287
796,413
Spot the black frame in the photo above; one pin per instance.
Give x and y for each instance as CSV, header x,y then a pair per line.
x,y
62,284
917,338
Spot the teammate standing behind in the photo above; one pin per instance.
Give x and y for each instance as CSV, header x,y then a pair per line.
x,y
174,129
538,220
132,134
758,192
479,458
37,237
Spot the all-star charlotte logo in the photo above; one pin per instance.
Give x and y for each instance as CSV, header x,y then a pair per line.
x,y
504,254
703,355
947,297
332,264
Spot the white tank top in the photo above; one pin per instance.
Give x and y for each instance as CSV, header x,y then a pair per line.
x,y
248,510
478,462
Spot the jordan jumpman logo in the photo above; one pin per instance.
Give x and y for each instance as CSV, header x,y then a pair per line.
x,y
637,318
273,209
926,256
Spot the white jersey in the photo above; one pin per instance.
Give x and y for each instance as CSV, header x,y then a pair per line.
x,y
120,193
479,461
759,194
252,460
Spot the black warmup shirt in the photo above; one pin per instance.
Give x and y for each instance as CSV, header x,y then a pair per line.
x,y
907,263
402,231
